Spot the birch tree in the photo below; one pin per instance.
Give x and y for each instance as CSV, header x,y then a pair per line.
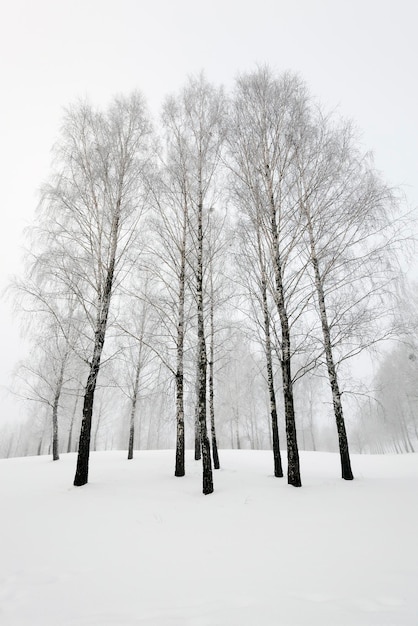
x,y
170,252
204,107
217,295
89,218
264,110
200,112
136,358
49,322
133,371
42,379
349,240
255,277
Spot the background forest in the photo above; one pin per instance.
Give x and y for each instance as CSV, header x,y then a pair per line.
x,y
231,274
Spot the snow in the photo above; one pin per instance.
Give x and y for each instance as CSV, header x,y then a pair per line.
x,y
137,546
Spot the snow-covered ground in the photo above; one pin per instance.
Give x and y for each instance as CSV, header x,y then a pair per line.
x,y
137,546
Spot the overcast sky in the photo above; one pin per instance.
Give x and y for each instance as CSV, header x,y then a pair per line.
x,y
358,55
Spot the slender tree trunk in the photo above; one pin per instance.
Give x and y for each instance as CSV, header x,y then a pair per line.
x,y
237,436
197,440
293,468
215,454
202,360
82,470
278,469
9,447
55,451
180,444
311,421
96,430
45,439
412,416
269,425
313,438
238,440
293,471
58,390
346,471
252,438
133,409
70,434
39,449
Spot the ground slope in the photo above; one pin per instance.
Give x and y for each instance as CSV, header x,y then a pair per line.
x,y
137,546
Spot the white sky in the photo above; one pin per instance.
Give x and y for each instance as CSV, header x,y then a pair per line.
x,y
360,55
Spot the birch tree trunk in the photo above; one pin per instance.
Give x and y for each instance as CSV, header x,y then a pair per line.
x,y
346,471
197,439
264,112
180,442
70,433
293,468
278,469
82,469
133,408
215,454
202,358
55,438
55,405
